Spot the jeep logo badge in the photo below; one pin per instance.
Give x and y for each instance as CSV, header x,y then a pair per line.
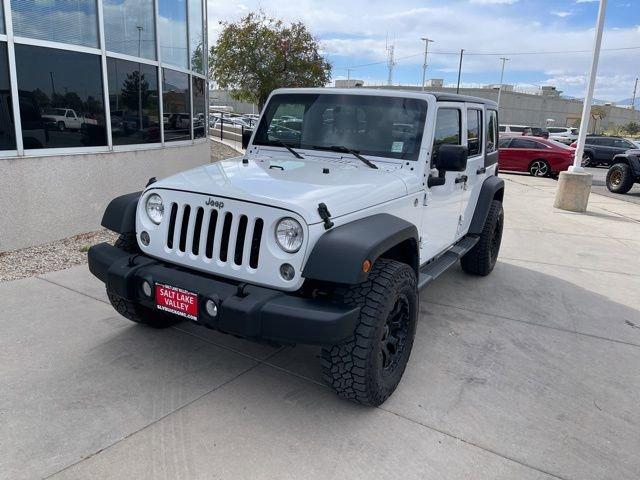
x,y
214,203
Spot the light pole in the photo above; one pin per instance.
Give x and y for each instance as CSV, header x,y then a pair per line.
x,y
460,70
635,90
140,29
574,186
426,41
504,60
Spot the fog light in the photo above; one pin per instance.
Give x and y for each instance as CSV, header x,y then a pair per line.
x,y
287,272
211,308
145,239
146,288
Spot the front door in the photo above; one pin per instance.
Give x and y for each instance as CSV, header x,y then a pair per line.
x,y
442,209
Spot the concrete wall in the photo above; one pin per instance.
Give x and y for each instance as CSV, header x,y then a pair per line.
x,y
53,197
527,109
223,98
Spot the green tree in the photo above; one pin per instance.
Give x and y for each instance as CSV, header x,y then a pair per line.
x,y
632,128
258,54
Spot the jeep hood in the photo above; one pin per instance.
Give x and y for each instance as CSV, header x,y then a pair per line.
x,y
296,185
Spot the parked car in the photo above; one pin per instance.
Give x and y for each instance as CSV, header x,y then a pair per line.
x,y
513,130
601,150
536,132
624,172
62,119
566,135
539,157
325,240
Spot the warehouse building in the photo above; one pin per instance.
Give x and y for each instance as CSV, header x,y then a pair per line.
x,y
95,97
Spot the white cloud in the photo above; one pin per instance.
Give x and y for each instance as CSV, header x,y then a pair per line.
x,y
355,32
561,14
587,1
494,2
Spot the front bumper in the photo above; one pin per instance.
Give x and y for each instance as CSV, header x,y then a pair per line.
x,y
246,310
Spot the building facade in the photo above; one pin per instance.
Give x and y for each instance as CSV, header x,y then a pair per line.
x,y
96,96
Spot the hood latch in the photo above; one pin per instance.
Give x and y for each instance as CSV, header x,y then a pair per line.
x,y
325,215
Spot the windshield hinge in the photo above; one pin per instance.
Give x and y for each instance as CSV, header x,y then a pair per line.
x,y
325,215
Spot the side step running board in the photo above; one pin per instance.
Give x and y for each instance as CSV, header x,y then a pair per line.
x,y
437,267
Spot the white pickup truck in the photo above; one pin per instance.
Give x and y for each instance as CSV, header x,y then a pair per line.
x,y
62,119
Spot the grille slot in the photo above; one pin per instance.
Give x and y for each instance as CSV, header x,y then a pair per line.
x,y
215,235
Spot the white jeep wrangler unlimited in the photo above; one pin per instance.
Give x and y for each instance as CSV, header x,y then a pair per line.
x,y
345,205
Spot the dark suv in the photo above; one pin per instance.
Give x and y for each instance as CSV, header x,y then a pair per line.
x,y
600,150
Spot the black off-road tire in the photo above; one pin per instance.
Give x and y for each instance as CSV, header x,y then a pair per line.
x,y
367,368
139,314
133,311
128,243
482,258
620,178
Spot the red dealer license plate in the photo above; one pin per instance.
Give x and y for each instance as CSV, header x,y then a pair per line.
x,y
177,301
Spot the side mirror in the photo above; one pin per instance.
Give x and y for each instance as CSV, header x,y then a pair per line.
x,y
246,137
452,158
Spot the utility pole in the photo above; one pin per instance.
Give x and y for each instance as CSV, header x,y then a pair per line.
x,y
460,70
426,41
504,60
635,90
349,77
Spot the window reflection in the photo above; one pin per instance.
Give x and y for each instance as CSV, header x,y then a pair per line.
x,y
176,106
134,102
1,18
196,35
63,21
173,32
199,108
61,103
7,130
129,27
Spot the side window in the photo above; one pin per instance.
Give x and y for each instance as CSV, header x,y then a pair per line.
x,y
492,131
474,132
448,130
523,143
503,128
504,142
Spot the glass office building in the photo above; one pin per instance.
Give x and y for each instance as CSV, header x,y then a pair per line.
x,y
100,74
103,78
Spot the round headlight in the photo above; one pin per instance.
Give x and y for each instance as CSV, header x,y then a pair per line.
x,y
155,208
289,235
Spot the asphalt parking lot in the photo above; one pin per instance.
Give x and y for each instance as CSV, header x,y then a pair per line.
x,y
530,373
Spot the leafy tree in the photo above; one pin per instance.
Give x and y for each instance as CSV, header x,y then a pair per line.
x,y
258,54
632,128
135,87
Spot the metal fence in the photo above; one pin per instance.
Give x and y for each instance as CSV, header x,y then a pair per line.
x,y
229,127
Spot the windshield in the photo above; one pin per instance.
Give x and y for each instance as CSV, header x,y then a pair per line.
x,y
370,125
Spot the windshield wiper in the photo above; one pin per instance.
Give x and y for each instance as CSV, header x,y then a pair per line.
x,y
355,153
288,147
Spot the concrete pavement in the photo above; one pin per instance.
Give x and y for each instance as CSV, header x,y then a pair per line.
x,y
530,373
600,186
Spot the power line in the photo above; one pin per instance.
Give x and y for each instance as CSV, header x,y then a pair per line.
x,y
496,54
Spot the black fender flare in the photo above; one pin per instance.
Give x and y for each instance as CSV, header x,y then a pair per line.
x,y
120,215
339,254
492,189
633,160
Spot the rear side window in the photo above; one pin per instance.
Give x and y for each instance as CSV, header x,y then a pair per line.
x,y
448,129
517,129
503,128
492,131
524,143
504,142
474,132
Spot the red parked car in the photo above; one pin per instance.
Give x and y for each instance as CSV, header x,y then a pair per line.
x,y
539,157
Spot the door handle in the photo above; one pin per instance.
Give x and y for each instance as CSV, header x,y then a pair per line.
x,y
462,179
481,171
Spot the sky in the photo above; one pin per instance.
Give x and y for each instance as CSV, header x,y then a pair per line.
x,y
353,34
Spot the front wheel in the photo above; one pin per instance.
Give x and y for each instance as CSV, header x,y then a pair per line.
x,y
367,367
539,168
482,258
620,178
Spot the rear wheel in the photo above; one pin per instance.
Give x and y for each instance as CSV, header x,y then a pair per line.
x,y
367,367
482,258
539,168
620,178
